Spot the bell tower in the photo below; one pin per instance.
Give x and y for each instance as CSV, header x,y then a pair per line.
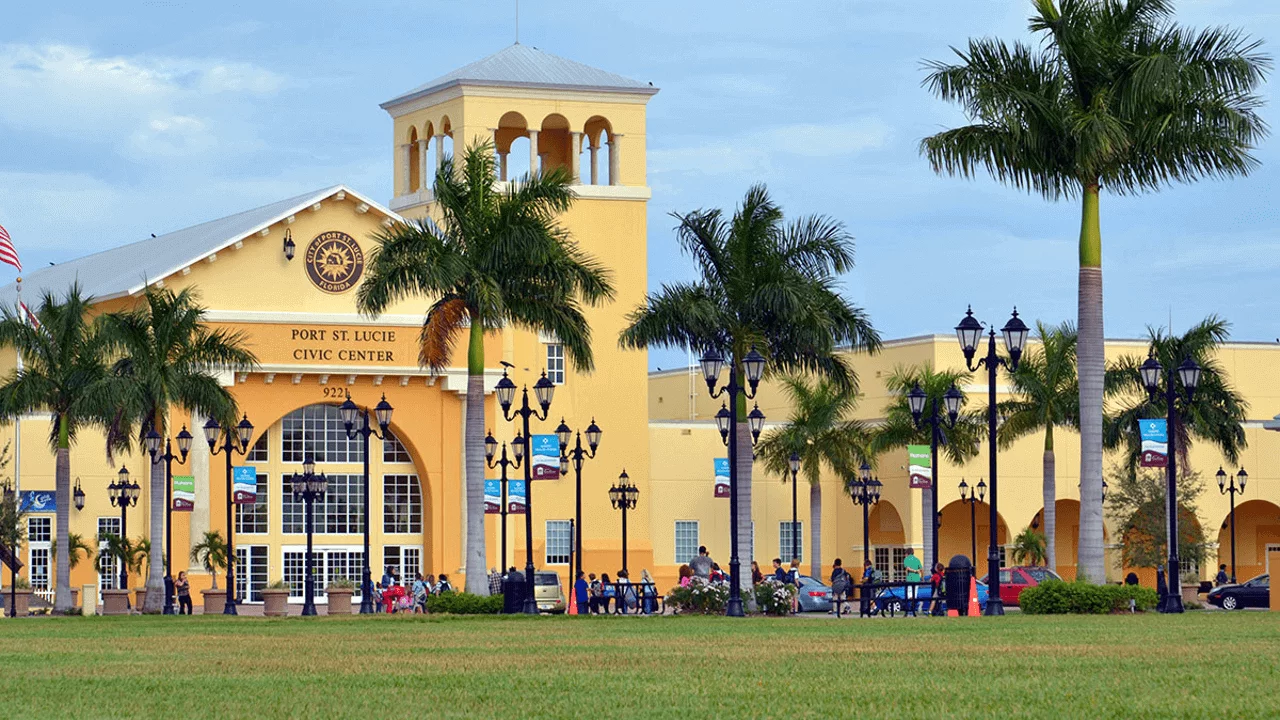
x,y
540,112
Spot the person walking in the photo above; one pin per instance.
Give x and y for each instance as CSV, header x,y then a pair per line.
x,y
915,572
1221,578
444,585
581,594
793,579
183,588
626,592
596,591
840,584
420,593
779,574
864,591
702,564
495,582
607,591
935,589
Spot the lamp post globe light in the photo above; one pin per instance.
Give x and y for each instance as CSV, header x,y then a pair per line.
x,y
577,455
124,494
77,496
1015,332
1232,484
937,426
544,390
309,487
491,450
979,495
350,414
231,443
752,363
1188,374
623,496
865,491
793,463
153,442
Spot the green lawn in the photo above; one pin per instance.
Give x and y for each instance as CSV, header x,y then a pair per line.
x,y
1202,664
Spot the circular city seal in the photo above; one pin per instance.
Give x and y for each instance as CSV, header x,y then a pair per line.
x,y
334,261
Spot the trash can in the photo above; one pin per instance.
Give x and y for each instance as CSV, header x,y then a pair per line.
x,y
959,573
513,590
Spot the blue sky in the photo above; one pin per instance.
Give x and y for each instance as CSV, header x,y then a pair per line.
x,y
122,119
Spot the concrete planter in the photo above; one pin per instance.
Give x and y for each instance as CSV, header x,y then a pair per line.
x,y
21,601
75,597
339,601
214,601
141,598
275,602
1190,594
115,602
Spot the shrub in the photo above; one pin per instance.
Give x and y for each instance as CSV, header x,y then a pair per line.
x,y
278,585
1054,597
701,596
342,583
464,603
774,597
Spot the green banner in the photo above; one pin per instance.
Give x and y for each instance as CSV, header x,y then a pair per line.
x,y
920,466
184,493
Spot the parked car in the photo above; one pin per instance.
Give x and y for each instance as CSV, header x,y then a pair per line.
x,y
1016,579
815,596
893,599
548,593
1251,593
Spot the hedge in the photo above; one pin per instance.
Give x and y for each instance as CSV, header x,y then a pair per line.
x,y
1054,597
464,604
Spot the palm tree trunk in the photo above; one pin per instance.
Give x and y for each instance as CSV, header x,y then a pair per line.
x,y
477,582
1050,503
62,489
1091,364
744,462
815,530
154,601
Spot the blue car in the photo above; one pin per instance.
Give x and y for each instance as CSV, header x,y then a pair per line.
x,y
893,599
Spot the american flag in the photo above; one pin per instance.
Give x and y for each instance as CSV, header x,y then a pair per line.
x,y
31,317
8,253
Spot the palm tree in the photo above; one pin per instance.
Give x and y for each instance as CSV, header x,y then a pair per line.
x,y
124,551
168,358
766,284
1118,96
78,548
821,433
64,373
1046,395
211,553
1029,548
899,430
1214,414
494,258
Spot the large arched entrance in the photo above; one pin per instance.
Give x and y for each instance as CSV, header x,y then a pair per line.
x,y
888,539
1066,534
270,539
960,531
1257,529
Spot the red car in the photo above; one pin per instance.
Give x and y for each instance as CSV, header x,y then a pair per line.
x,y
1016,579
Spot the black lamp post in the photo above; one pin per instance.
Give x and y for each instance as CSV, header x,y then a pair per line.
x,y
309,487
153,447
350,413
727,422
1015,338
1236,485
623,495
232,443
506,391
865,491
77,496
491,449
979,494
289,247
577,455
124,495
915,399
1189,375
794,463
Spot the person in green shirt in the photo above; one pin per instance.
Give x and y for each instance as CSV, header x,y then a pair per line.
x,y
913,566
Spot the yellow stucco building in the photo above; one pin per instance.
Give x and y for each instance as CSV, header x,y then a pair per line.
x,y
299,316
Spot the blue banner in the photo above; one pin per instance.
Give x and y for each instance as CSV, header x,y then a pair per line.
x,y
1155,443
545,450
516,498
492,497
37,501
722,477
244,485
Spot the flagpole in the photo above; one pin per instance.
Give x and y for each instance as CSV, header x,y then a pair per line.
x,y
17,423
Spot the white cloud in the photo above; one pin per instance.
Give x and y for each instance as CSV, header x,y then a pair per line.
x,y
755,152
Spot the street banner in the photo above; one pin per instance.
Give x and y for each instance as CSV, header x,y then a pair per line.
x,y
1155,443
37,501
722,477
492,497
920,466
515,497
546,457
244,485
184,493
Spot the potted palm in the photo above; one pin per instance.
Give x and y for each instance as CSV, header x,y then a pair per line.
x,y
275,599
142,563
211,553
21,596
339,593
1028,548
116,601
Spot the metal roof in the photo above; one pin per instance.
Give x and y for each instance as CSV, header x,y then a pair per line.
x,y
128,269
527,66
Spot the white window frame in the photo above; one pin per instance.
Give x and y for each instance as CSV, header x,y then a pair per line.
x,y
260,453
394,452
113,576
784,539
40,556
697,540
294,511
257,560
261,508
317,430
393,500
556,366
563,534
289,569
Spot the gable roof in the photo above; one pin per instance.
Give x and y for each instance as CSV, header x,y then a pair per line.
x,y
527,66
128,269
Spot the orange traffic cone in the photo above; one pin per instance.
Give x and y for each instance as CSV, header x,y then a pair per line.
x,y
573,605
975,608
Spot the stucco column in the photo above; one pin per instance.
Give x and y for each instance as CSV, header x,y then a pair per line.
x,y
533,152
439,151
424,168
614,143
199,518
404,168
502,165
575,155
595,170
498,169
